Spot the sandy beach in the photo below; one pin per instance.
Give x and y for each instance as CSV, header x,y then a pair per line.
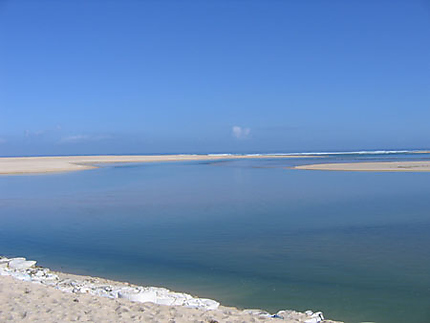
x,y
35,294
406,166
40,165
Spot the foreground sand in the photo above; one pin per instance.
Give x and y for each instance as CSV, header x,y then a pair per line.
x,y
406,166
34,165
28,302
35,294
24,301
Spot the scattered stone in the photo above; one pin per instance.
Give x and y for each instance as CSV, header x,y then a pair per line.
x,y
21,263
315,317
257,313
23,269
136,296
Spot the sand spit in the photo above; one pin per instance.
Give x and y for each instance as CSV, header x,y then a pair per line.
x,y
31,293
40,165
404,166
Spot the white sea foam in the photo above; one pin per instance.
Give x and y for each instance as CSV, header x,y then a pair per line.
x,y
361,152
324,153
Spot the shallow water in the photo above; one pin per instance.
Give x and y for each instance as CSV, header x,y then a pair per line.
x,y
249,233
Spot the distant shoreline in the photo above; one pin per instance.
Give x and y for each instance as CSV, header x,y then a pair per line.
x,y
58,164
403,166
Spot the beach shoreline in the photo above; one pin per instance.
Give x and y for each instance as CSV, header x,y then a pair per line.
x,y
58,164
32,293
403,166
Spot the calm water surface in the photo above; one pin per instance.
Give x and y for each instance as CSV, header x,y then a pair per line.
x,y
249,233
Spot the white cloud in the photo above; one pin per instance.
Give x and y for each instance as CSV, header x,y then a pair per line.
x,y
240,132
75,138
84,138
37,133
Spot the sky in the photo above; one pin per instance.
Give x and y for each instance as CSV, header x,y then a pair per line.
x,y
145,77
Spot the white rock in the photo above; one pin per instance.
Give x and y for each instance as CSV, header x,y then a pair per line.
x,y
145,296
319,314
21,263
315,318
209,304
169,301
17,258
256,312
21,276
179,296
84,290
193,303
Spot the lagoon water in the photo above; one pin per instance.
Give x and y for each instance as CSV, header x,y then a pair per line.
x,y
249,233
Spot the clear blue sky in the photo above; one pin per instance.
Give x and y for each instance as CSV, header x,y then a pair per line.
x,y
82,77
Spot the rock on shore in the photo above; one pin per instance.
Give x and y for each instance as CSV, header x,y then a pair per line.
x,y
31,293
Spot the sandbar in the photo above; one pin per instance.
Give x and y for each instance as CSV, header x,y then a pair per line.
x,y
55,164
403,166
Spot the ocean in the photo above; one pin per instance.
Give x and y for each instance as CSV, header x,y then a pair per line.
x,y
249,233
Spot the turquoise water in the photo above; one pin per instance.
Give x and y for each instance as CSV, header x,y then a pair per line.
x,y
248,233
